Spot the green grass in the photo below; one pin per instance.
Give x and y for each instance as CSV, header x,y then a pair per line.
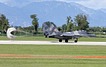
x,y
52,62
52,50
42,38
3,38
92,39
32,38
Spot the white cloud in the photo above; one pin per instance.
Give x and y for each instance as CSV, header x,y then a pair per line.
x,y
19,2
16,2
95,4
71,0
4,1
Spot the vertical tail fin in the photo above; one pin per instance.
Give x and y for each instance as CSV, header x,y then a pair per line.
x,y
49,28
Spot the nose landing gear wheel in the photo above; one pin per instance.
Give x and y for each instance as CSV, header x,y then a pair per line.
x,y
66,40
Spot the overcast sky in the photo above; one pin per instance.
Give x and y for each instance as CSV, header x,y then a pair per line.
x,y
95,4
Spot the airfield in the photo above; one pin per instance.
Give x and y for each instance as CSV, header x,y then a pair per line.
x,y
49,42
44,52
24,52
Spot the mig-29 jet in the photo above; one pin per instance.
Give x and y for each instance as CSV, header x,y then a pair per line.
x,y
50,30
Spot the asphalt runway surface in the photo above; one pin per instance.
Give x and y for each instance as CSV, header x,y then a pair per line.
x,y
49,42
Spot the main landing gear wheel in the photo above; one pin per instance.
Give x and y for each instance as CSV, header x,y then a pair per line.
x,y
76,40
60,40
66,40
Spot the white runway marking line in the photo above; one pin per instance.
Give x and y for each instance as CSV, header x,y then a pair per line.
x,y
49,42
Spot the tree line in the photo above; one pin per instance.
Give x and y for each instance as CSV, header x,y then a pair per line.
x,y
4,24
80,22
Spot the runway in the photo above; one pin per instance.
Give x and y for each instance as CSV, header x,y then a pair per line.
x,y
48,43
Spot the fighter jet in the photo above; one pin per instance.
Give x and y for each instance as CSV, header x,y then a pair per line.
x,y
50,30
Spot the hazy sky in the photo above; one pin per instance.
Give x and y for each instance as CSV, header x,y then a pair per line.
x,y
95,4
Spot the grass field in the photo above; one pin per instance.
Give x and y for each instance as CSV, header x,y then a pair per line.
x,y
52,50
28,38
42,38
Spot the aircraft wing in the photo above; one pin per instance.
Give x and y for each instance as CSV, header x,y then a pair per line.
x,y
85,34
67,34
77,34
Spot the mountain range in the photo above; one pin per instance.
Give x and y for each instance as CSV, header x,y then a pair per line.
x,y
54,11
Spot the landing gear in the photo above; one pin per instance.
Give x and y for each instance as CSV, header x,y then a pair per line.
x,y
45,36
60,40
66,40
76,40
